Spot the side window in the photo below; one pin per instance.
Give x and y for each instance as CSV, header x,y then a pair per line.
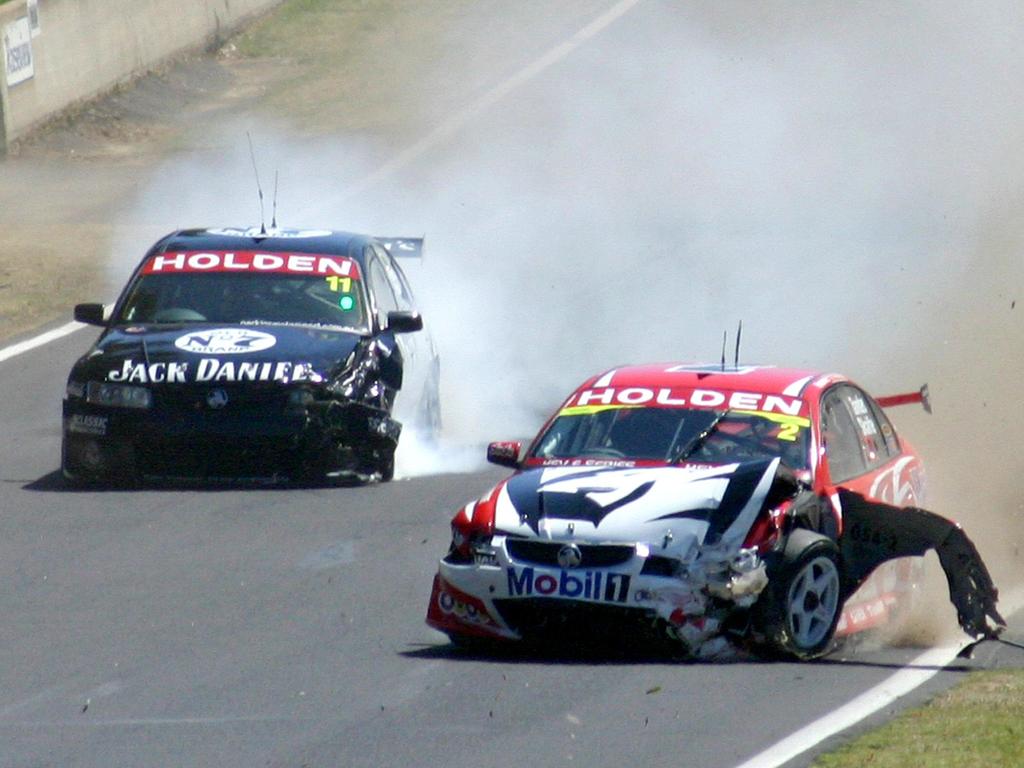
x,y
384,298
841,437
399,285
892,441
876,450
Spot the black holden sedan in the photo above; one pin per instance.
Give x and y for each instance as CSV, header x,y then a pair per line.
x,y
281,355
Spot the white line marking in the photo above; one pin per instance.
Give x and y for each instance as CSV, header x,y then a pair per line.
x,y
916,673
457,121
37,341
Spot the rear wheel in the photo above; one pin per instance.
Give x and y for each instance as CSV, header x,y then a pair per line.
x,y
800,609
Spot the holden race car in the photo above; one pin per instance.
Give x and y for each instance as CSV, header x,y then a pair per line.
x,y
751,508
256,354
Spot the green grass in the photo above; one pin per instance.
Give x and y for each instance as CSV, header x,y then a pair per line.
x,y
977,724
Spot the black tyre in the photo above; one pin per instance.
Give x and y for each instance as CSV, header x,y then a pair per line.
x,y
800,608
386,466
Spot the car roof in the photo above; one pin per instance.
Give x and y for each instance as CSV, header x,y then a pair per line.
x,y
770,380
268,240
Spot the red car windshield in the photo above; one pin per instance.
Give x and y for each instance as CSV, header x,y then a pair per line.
x,y
668,435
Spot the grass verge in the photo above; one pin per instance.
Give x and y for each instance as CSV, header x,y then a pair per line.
x,y
977,724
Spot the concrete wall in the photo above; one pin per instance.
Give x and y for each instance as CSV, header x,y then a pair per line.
x,y
82,48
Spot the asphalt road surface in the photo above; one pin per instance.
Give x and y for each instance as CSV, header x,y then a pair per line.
x,y
242,627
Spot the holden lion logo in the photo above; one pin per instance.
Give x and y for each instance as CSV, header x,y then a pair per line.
x,y
225,341
570,556
217,399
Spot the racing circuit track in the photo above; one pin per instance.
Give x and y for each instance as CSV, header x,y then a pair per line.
x,y
284,627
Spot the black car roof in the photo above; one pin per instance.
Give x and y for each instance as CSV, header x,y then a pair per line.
x,y
269,241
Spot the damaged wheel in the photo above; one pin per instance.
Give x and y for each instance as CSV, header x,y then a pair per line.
x,y
801,607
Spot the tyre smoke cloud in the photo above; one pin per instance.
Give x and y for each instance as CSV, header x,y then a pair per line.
x,y
844,178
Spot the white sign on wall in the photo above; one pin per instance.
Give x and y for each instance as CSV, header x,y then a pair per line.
x,y
18,51
33,16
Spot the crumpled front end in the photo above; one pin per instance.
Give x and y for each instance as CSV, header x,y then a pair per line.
x,y
520,571
525,590
213,418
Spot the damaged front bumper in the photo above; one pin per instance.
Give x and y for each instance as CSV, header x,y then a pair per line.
x,y
270,438
505,597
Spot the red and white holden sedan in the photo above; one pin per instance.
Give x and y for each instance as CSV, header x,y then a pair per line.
x,y
718,508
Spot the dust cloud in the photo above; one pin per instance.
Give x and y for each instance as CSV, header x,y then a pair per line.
x,y
846,178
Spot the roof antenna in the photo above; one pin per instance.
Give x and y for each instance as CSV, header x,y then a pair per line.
x,y
259,189
724,335
739,333
273,215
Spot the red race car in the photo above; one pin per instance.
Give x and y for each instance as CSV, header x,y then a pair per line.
x,y
716,507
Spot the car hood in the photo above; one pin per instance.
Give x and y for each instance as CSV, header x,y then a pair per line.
x,y
674,510
217,354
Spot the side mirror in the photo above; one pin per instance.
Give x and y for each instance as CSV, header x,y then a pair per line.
x,y
404,322
505,454
93,314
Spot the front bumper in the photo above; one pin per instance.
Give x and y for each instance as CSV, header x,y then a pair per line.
x,y
506,596
254,438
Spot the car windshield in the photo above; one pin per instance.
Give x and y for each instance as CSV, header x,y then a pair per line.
x,y
674,434
246,298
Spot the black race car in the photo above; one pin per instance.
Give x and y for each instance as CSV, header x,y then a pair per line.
x,y
253,354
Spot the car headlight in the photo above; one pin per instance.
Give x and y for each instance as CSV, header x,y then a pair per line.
x,y
75,388
118,395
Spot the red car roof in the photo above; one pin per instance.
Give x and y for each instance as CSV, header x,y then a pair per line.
x,y
769,380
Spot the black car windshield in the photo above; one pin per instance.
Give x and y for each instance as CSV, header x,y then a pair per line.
x,y
246,298
674,434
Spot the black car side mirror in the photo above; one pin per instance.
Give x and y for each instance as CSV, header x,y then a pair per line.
x,y
505,454
404,322
93,314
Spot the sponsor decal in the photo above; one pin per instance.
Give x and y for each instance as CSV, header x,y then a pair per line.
x,y
616,463
225,341
252,261
669,397
899,484
217,399
18,51
272,232
87,425
601,586
211,369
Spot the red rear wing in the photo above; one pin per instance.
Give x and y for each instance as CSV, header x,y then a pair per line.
x,y
921,396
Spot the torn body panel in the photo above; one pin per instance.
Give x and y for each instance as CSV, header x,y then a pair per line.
x,y
875,533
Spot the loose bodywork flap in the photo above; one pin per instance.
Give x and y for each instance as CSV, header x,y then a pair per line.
x,y
874,533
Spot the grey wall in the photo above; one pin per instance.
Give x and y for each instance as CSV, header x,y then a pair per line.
x,y
82,48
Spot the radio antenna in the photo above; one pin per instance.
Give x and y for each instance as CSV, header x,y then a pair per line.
x,y
739,333
724,335
259,189
273,215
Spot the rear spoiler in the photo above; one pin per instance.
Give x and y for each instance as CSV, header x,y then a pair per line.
x,y
403,247
921,396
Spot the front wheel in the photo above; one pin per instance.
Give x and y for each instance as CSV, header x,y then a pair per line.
x,y
801,607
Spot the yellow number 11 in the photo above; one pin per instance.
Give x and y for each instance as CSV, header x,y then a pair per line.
x,y
345,282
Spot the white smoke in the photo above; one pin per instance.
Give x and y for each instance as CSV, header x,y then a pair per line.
x,y
842,177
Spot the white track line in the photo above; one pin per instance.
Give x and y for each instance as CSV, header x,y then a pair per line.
x,y
37,341
916,673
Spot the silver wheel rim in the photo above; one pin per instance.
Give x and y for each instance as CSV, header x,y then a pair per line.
x,y
813,601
